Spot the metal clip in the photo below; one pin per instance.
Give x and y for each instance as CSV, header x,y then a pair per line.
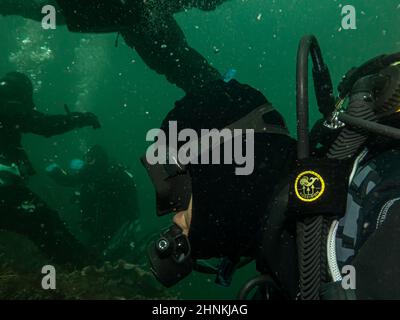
x,y
334,123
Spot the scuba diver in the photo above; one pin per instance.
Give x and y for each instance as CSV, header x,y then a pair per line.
x,y
146,26
21,210
218,213
106,195
306,217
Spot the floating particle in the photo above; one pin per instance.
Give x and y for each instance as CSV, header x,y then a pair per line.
x,y
259,16
26,41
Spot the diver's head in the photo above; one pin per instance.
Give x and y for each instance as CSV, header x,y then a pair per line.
x,y
96,157
16,87
216,212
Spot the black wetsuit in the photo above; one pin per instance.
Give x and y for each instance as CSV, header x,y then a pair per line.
x,y
21,210
152,31
147,26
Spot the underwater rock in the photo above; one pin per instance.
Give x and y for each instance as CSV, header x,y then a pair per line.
x,y
88,284
21,278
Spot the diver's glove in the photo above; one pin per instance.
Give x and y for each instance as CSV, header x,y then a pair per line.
x,y
85,119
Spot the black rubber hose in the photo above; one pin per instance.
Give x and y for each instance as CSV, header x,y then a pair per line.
x,y
311,235
303,143
309,46
361,111
251,284
311,231
370,126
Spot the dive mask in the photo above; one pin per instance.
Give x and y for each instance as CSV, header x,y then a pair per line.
x,y
173,186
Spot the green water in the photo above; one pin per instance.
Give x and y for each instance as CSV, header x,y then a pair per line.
x,y
259,38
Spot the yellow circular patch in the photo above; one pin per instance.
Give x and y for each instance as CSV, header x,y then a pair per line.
x,y
309,186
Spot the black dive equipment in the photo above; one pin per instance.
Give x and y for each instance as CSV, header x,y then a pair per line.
x,y
172,184
374,93
323,90
170,257
170,260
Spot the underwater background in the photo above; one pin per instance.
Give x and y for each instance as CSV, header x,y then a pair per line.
x,y
258,38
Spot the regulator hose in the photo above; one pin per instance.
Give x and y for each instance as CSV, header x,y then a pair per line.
x,y
323,89
311,231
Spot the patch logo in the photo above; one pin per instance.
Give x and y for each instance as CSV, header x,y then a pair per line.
x,y
309,186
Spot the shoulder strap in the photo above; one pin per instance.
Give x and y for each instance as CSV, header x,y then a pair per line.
x,y
254,120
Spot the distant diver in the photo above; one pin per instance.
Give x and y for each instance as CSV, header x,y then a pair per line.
x,y
147,26
21,210
107,197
